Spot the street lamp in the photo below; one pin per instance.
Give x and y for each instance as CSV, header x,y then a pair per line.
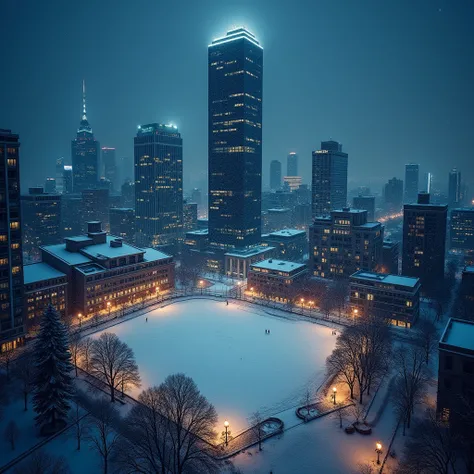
x,y
80,319
108,306
355,311
311,303
226,425
251,289
334,391
201,283
378,450
157,292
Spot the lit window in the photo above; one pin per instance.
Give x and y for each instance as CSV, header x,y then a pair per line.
x,y
370,296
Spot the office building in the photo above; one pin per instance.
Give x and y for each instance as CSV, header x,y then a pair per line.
x,y
196,196
277,219
158,185
128,195
71,212
190,216
456,375
59,175
390,297
393,195
366,203
412,177
290,244
43,285
329,178
303,194
292,183
235,140
292,164
122,223
276,280
344,242
50,186
109,167
11,258
41,217
302,216
390,256
67,179
461,230
106,274
95,207
85,153
454,189
424,240
275,175
466,293
238,262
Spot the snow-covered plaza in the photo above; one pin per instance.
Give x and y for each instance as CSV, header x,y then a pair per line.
x,y
225,349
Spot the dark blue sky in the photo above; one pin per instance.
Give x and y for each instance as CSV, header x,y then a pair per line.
x,y
391,80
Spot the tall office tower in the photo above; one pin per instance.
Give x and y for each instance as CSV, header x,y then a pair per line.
x,y
122,223
412,176
275,175
190,216
67,179
196,196
41,216
292,164
128,195
424,240
59,175
366,203
329,186
85,153
95,207
109,167
235,140
158,185
71,215
50,186
462,229
454,188
393,194
343,243
11,259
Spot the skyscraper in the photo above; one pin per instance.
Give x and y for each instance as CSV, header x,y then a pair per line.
x,y
424,240
158,184
109,167
50,185
454,188
275,175
393,194
85,153
95,207
329,186
235,140
11,259
292,164
59,175
67,179
412,176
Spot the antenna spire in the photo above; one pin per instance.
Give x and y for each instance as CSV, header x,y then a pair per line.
x,y
84,116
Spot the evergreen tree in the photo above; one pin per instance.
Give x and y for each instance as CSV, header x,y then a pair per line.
x,y
52,382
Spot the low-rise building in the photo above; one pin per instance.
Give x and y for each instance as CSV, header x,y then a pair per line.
x,y
105,274
277,280
196,239
237,262
456,373
392,297
290,244
43,285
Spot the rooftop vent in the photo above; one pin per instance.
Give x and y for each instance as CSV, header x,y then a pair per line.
x,y
116,243
270,260
346,209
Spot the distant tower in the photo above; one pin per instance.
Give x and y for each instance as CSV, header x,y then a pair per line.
x,y
59,175
412,173
275,175
329,186
85,153
454,188
292,164
393,194
109,167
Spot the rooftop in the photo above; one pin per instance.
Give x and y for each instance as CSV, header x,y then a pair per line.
x,y
80,238
71,258
399,280
459,333
121,209
198,232
40,272
105,250
249,252
469,269
234,35
279,265
286,233
369,225
278,210
152,255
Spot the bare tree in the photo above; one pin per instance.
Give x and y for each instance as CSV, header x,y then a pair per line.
x,y
85,352
357,411
79,421
340,364
365,468
339,292
327,303
100,433
427,336
307,402
340,413
11,433
170,430
23,370
5,358
113,361
256,423
75,347
40,462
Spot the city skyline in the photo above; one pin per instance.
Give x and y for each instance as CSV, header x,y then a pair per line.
x,y
297,130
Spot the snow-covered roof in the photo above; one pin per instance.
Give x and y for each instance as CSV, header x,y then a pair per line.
x,y
198,232
249,252
40,272
279,210
286,233
459,333
279,265
71,258
107,251
369,225
79,238
399,280
152,255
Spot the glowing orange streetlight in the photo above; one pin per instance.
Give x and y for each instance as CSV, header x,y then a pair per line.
x,y
108,306
226,426
378,450
334,391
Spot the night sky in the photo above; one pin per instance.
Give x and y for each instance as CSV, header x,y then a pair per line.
x,y
393,80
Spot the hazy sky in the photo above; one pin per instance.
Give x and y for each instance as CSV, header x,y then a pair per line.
x,y
393,80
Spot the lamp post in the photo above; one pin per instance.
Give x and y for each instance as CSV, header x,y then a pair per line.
x,y
80,319
378,450
201,283
109,304
251,289
355,311
302,305
226,426
239,283
311,303
157,292
334,391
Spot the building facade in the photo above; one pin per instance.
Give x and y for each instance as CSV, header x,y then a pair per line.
x,y
44,285
292,183
190,216
390,257
461,229
424,240
95,207
276,280
454,189
329,178
238,262
344,242
290,244
412,182
85,153
67,179
106,274
50,186
275,175
122,223
393,195
235,140
11,257
109,167
277,219
41,216
158,185
366,203
292,164
390,297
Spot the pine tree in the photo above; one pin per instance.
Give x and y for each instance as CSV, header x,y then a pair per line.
x,y
52,382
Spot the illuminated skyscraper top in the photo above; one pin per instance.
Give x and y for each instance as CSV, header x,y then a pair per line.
x,y
235,140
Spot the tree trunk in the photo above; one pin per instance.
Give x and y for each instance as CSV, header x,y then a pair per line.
x,y
352,392
361,395
78,441
112,393
105,465
404,427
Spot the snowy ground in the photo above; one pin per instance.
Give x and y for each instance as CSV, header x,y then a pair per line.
x,y
225,350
